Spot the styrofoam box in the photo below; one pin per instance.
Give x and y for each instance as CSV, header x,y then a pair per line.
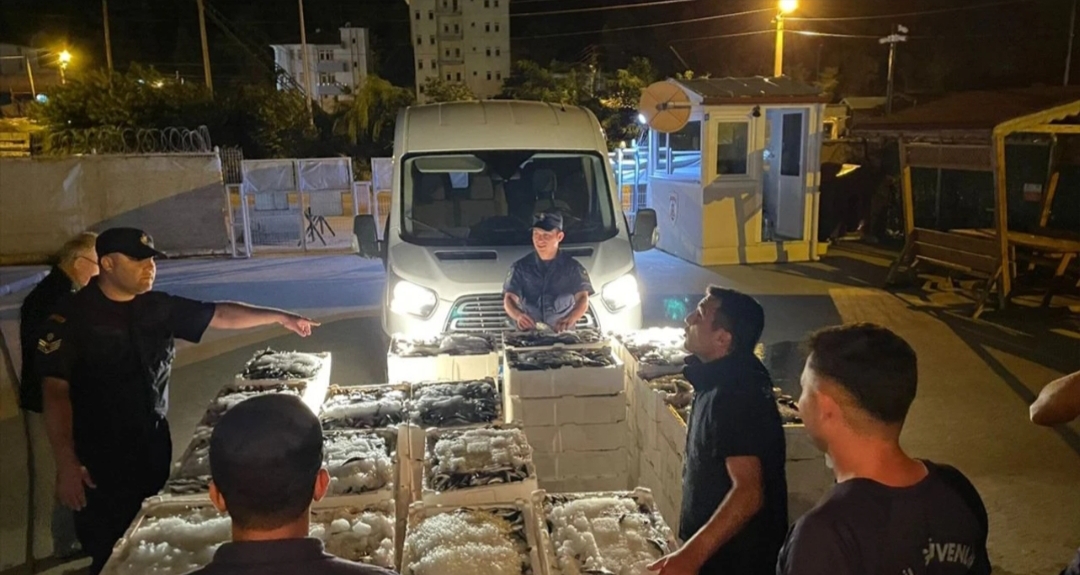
x,y
316,386
564,381
672,429
441,367
583,484
158,506
571,464
495,493
562,410
573,437
808,482
546,466
643,497
420,510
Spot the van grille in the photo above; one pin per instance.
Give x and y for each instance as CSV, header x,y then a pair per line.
x,y
484,312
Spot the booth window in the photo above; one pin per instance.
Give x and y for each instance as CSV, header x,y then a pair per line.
x,y
791,147
678,154
732,148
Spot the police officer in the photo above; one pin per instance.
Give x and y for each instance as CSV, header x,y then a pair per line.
x,y
76,263
547,286
105,357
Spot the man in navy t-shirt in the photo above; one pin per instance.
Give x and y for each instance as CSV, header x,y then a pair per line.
x,y
889,514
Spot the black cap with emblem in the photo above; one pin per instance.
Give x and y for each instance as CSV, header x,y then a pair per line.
x,y
131,242
548,221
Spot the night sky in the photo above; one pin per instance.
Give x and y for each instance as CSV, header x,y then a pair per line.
x,y
997,44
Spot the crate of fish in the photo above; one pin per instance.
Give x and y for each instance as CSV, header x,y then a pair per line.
x,y
659,392
651,352
232,394
173,538
601,532
445,356
546,373
477,466
190,477
455,403
361,461
547,339
268,367
364,407
497,539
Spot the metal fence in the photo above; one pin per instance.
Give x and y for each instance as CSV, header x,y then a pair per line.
x,y
116,140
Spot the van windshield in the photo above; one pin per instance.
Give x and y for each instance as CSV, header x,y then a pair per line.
x,y
489,198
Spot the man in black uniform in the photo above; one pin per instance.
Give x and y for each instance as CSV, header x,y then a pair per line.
x,y
888,513
547,286
76,264
734,509
266,461
105,357
1059,403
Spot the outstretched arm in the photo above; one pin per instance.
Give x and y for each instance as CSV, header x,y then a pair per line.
x,y
1058,402
234,315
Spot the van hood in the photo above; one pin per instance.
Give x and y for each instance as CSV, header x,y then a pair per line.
x,y
457,271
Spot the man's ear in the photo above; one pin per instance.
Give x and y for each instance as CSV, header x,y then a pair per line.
x,y
106,263
217,499
322,484
724,339
560,236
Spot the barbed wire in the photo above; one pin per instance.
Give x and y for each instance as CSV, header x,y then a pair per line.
x,y
117,140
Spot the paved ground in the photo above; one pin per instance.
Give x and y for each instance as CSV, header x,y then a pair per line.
x,y
977,377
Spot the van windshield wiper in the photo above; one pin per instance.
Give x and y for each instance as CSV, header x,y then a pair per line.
x,y
439,230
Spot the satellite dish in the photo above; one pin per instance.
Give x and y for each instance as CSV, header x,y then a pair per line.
x,y
665,107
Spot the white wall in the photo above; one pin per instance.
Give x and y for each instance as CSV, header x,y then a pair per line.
x,y
484,27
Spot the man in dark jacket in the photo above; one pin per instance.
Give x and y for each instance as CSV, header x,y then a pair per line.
x,y
266,461
75,265
734,511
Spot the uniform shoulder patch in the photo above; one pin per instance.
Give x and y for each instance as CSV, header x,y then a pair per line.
x,y
57,318
48,344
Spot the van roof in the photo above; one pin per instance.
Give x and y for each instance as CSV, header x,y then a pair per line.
x,y
498,125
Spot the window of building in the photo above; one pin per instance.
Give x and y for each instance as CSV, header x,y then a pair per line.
x,y
326,79
496,26
457,28
472,25
421,91
457,52
417,14
458,75
732,148
474,73
498,75
447,53
489,75
489,51
433,64
496,3
498,52
419,40
326,55
487,3
487,27
446,28
431,40
420,65
430,15
448,77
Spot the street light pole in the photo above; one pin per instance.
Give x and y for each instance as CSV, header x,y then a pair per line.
x,y
785,7
108,40
30,76
205,48
892,40
1072,34
63,59
306,62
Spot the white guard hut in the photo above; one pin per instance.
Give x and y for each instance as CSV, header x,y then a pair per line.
x,y
734,168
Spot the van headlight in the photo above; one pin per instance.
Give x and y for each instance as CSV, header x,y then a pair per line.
x,y
621,293
409,298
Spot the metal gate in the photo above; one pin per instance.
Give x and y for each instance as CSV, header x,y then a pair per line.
x,y
292,204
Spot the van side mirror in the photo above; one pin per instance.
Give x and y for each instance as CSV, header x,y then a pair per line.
x,y
645,231
366,236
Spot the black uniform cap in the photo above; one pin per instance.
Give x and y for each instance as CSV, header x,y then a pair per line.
x,y
131,242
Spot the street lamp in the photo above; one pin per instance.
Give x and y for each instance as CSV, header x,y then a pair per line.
x,y
785,7
64,59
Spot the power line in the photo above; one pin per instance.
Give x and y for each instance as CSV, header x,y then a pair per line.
x,y
906,14
644,26
601,8
716,36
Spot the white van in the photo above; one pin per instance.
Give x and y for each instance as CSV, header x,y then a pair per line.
x,y
468,178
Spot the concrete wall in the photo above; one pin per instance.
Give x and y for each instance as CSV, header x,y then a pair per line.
x,y
178,199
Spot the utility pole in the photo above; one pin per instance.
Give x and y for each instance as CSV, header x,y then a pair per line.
x,y
1072,33
892,40
785,7
108,40
307,63
205,47
30,76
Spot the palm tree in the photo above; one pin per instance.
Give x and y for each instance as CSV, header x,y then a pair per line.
x,y
373,109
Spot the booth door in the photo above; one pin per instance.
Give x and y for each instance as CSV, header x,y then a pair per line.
x,y
787,171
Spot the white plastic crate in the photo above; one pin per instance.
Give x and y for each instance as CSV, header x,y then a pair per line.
x,y
420,511
480,495
500,404
573,464
558,411
316,386
584,484
672,429
574,437
378,390
643,497
604,341
563,381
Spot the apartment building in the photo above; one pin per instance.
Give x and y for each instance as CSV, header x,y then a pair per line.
x,y
464,41
337,69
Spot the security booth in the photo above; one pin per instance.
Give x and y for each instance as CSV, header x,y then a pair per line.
x,y
734,168
999,158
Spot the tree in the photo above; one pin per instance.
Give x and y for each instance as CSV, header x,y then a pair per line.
x,y
373,111
439,90
530,81
828,81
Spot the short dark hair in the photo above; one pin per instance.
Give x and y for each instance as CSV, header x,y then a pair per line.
x,y
738,314
877,367
265,455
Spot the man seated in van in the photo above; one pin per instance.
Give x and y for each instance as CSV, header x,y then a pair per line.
x,y
547,286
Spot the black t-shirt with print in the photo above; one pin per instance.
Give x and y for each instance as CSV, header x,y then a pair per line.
x,y
935,527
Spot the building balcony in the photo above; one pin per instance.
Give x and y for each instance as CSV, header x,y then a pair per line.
x,y
451,36
332,66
